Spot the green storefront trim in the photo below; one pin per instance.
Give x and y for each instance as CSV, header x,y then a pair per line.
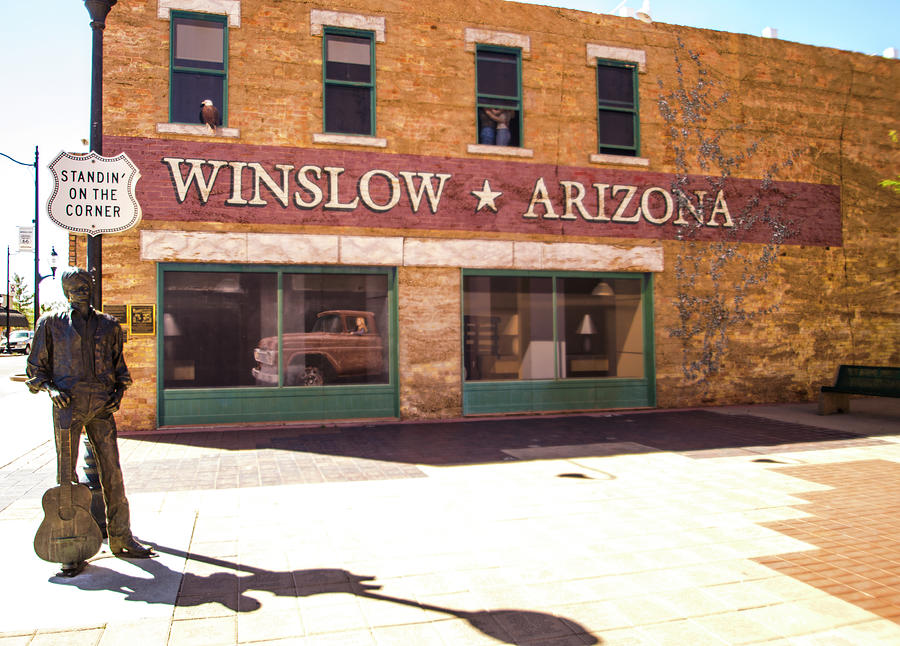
x,y
187,407
194,406
548,395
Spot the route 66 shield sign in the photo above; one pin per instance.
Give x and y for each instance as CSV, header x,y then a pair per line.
x,y
94,194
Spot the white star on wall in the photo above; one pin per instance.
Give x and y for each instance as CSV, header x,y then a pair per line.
x,y
486,197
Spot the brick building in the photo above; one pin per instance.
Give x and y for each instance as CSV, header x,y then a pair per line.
x,y
520,203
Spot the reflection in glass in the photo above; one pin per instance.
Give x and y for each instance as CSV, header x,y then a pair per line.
x,y
600,326
220,329
335,330
508,327
510,333
211,323
199,43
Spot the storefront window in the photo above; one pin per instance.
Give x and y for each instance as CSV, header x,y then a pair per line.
x,y
221,329
511,334
212,322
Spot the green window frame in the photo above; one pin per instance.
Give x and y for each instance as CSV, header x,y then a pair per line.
x,y
618,122
196,72
492,91
530,364
179,404
348,84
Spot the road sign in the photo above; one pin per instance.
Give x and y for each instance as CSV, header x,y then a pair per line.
x,y
26,239
94,194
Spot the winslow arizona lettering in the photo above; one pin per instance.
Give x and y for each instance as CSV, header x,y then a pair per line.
x,y
333,188
278,186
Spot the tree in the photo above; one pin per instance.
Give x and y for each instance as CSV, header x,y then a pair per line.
x,y
22,299
893,184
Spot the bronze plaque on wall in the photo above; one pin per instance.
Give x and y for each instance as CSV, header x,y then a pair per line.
x,y
143,319
118,311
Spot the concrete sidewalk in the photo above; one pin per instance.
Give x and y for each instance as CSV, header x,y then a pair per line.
x,y
737,525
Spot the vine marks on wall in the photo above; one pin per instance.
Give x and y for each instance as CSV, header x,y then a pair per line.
x,y
714,279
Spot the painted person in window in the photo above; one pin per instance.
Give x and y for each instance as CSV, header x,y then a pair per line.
x,y
361,327
494,125
76,357
502,117
487,128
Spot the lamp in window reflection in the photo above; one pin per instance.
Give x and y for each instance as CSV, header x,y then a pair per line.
x,y
170,327
586,328
512,326
602,289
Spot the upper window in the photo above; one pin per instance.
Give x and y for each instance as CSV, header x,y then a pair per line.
x,y
349,93
199,66
499,95
617,105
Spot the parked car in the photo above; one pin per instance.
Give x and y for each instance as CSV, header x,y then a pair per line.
x,y
342,343
19,341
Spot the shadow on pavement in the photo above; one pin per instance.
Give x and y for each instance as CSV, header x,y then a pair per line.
x,y
230,589
697,433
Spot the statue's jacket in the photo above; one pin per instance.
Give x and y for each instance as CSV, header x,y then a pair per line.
x,y
56,359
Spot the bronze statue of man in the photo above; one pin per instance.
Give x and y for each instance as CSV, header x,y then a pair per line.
x,y
76,357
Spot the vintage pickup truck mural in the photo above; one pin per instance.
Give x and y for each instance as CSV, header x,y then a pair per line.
x,y
342,344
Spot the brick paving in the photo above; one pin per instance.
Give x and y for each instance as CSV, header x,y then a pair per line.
x,y
856,528
683,528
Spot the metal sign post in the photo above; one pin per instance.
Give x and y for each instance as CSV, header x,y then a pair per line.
x,y
98,10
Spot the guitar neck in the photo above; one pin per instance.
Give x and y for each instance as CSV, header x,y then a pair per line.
x,y
66,471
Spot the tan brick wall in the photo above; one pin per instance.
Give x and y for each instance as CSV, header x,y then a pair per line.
x,y
837,305
429,342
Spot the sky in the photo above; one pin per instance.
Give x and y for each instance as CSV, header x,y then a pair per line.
x,y
46,49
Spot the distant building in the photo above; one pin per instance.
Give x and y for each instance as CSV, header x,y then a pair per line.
x,y
16,320
497,185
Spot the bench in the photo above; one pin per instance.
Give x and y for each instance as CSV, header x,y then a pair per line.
x,y
878,381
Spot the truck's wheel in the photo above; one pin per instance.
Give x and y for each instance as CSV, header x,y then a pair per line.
x,y
313,376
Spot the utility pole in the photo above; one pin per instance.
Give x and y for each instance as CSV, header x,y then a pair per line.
x,y
98,10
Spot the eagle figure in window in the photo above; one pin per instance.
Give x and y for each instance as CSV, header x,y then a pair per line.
x,y
209,115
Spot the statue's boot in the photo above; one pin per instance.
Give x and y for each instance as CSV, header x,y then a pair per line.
x,y
130,548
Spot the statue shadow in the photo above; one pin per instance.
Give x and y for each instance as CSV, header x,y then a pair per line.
x,y
230,588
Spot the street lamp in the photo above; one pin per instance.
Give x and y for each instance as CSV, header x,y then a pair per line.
x,y
53,262
37,306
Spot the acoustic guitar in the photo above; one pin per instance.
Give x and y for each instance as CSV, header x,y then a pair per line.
x,y
68,534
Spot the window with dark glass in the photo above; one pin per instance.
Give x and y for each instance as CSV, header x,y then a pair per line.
x,y
499,95
537,327
212,322
221,329
349,93
199,66
617,104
